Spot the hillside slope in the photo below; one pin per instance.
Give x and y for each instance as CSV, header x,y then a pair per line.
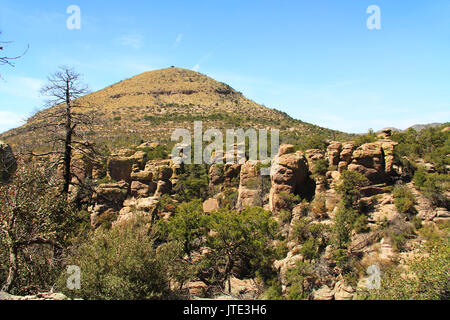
x,y
150,105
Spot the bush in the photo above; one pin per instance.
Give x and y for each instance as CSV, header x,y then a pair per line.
x,y
399,231
320,167
274,292
239,244
404,200
343,226
289,200
420,177
318,207
434,189
300,280
187,225
36,225
192,183
121,264
371,136
349,187
427,278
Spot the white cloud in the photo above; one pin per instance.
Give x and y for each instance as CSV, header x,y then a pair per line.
x,y
9,120
23,87
203,59
178,40
134,41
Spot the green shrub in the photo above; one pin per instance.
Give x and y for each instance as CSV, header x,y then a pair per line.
x,y
121,264
320,167
187,225
371,136
239,242
360,224
37,224
349,186
420,177
427,277
404,200
300,280
274,292
399,231
285,216
289,200
309,249
343,225
192,183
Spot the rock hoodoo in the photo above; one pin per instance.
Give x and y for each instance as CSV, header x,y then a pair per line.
x,y
288,175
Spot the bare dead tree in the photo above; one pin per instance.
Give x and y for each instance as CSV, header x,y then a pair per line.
x,y
9,60
68,127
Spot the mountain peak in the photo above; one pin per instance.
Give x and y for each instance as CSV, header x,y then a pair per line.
x,y
152,104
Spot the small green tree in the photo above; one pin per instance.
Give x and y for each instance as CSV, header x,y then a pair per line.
x,y
187,225
349,187
343,226
35,227
238,240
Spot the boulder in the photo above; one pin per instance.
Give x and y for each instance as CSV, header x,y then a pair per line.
x,y
245,289
323,293
40,296
142,176
312,155
368,160
120,167
343,291
250,186
372,190
333,153
8,163
139,189
148,146
347,152
210,205
108,200
288,173
163,187
388,147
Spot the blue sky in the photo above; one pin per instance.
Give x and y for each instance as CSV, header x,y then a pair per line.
x,y
315,60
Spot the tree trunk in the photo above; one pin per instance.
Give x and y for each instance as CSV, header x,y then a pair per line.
x,y
67,144
12,266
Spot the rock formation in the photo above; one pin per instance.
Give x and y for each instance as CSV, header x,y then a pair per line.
x,y
250,186
288,174
108,201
